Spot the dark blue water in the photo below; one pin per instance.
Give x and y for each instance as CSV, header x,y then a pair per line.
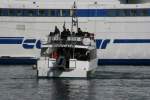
x,y
110,83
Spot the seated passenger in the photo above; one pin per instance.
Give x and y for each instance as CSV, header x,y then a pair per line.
x,y
51,34
73,33
56,31
64,34
68,33
79,33
87,35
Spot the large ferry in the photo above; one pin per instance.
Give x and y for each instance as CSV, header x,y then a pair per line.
x,y
121,30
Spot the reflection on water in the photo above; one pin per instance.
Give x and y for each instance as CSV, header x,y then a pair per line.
x,y
97,89
20,83
66,89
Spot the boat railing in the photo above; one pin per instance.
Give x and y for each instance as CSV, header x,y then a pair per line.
x,y
69,39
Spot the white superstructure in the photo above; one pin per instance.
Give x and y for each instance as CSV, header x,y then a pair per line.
x,y
122,30
70,57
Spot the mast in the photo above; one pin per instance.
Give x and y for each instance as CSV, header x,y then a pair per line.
x,y
74,24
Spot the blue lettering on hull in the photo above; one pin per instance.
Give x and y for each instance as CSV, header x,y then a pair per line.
x,y
26,43
100,43
104,43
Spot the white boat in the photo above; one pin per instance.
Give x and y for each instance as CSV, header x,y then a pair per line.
x,y
74,60
68,54
121,30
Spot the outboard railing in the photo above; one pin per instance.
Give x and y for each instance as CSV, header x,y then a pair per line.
x,y
76,39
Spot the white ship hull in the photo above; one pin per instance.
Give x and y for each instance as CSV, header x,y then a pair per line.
x,y
125,38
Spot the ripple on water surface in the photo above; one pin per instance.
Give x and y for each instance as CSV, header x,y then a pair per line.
x,y
20,83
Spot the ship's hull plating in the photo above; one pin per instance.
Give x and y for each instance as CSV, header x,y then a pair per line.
x,y
127,39
119,40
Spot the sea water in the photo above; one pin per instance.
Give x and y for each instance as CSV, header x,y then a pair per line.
x,y
110,83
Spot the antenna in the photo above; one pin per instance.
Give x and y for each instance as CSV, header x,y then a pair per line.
x,y
74,26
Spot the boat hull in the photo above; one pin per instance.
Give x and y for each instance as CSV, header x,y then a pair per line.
x,y
83,69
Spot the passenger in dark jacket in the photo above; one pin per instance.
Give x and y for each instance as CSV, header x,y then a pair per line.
x,y
56,31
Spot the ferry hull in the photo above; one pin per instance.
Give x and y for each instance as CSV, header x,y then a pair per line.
x,y
131,31
18,61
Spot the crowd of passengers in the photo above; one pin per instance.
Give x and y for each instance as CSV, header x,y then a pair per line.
x,y
66,33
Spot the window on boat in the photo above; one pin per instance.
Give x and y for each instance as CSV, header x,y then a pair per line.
x,y
145,12
115,12
19,12
127,12
42,12
111,12
85,12
65,12
54,12
102,12
133,12
78,53
148,12
82,54
139,12
4,12
57,12
79,12
120,12
91,12
48,12
30,12
11,12
0,12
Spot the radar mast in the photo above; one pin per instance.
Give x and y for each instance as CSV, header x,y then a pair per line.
x,y
74,25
